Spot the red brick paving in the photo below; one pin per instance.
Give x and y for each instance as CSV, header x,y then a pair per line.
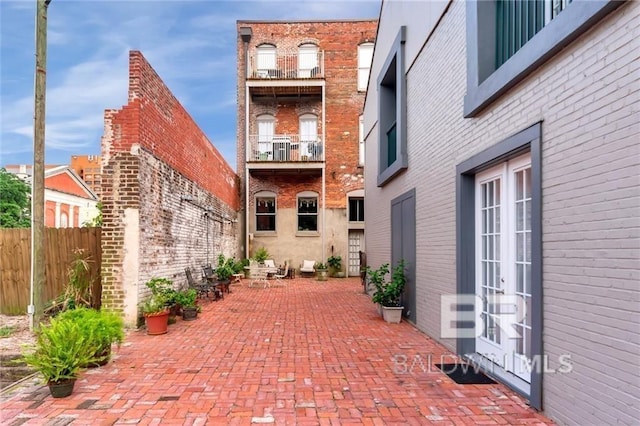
x,y
310,353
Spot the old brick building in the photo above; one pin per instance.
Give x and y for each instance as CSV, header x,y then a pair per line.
x,y
301,88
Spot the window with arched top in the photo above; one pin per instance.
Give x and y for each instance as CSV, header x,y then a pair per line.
x,y
266,130
309,145
265,59
365,56
64,220
308,60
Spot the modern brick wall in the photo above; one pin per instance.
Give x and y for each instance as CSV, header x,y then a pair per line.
x,y
587,97
153,155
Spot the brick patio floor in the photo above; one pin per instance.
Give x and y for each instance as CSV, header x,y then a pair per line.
x,y
309,353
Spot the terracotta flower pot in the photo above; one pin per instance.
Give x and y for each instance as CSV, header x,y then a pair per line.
x,y
157,323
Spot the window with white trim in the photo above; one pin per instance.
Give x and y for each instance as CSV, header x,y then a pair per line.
x,y
361,141
266,212
308,60
266,128
365,56
309,144
307,213
266,59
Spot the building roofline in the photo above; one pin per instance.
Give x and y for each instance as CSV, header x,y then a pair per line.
x,y
306,21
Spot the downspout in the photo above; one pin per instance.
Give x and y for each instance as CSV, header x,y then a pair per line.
x,y
324,166
245,35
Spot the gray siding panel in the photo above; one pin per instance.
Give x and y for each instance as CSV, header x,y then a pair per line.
x,y
588,99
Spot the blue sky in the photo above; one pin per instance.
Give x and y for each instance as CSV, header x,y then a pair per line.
x,y
191,44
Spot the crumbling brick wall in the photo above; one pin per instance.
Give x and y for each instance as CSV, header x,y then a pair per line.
x,y
170,201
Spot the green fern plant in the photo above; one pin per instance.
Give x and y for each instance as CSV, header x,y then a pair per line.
x,y
62,350
102,327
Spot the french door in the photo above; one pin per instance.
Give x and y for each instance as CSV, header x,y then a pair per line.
x,y
503,264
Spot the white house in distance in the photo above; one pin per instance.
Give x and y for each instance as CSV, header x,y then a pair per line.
x,y
503,163
69,202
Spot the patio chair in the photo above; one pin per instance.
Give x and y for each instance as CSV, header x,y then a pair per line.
x,y
210,278
202,288
282,273
270,264
257,275
308,267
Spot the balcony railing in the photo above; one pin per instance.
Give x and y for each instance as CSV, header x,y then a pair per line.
x,y
284,148
286,66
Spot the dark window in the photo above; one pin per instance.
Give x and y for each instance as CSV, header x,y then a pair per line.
x,y
265,214
509,39
307,214
392,113
356,209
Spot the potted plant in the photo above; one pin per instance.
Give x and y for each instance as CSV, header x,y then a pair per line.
x,y
335,265
321,271
388,294
261,255
61,351
101,327
156,315
187,300
223,271
163,288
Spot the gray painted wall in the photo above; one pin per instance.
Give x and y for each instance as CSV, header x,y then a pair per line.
x,y
588,100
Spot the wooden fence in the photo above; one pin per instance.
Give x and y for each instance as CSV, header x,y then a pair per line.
x,y
60,247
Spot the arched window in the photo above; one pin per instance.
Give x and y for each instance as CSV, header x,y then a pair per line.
x,y
308,60
64,220
266,129
265,60
309,146
365,56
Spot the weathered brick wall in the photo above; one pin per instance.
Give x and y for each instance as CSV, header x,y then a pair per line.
x,y
153,155
339,40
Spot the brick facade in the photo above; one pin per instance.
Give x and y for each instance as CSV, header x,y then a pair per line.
x,y
339,41
169,198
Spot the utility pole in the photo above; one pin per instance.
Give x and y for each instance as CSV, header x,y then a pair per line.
x,y
36,307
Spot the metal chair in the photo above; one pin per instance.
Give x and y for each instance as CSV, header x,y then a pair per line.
x,y
210,278
202,288
282,273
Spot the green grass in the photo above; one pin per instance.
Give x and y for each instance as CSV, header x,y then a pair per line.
x,y
7,330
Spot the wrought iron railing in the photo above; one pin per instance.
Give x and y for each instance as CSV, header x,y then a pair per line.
x,y
283,66
285,148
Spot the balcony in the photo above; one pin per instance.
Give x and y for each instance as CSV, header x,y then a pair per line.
x,y
285,74
284,151
286,66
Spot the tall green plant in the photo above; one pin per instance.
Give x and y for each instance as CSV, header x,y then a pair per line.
x,y
77,290
102,327
388,292
62,350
